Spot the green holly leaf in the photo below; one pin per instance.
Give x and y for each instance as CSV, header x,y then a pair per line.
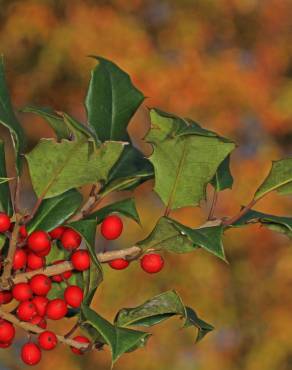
x,y
55,121
111,101
5,197
57,167
131,170
159,309
55,211
120,340
171,236
278,179
126,207
87,229
91,281
9,119
185,158
223,179
167,236
79,131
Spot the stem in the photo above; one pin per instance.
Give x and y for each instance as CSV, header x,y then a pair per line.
x,y
6,276
37,330
72,330
242,212
213,205
89,205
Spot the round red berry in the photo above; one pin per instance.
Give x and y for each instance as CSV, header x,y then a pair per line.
x,y
70,239
7,331
39,321
31,354
47,340
111,227
56,309
80,260
73,296
26,311
119,264
57,232
22,232
5,222
81,339
20,259
5,296
40,303
34,261
44,252
38,241
5,345
22,292
60,277
40,284
152,263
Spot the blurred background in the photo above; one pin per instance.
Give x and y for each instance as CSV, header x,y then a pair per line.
x,y
228,65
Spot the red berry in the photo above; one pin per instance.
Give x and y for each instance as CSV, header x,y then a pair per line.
x,y
5,222
31,354
73,296
38,241
26,311
44,252
5,345
57,232
152,263
47,340
80,260
34,261
39,321
70,239
80,339
22,232
60,277
22,292
7,331
40,284
119,264
19,260
111,227
40,303
5,296
56,309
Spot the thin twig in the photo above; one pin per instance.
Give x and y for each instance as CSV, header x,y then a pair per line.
x,y
240,214
213,205
89,205
72,330
37,330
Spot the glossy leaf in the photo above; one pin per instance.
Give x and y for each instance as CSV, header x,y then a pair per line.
x,y
54,120
57,167
111,101
126,207
185,158
55,211
278,179
92,279
5,198
158,309
78,130
9,119
223,179
120,340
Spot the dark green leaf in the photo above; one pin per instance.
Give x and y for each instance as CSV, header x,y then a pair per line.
x,y
5,198
92,278
193,320
126,207
223,178
120,340
9,120
79,130
54,120
111,101
55,211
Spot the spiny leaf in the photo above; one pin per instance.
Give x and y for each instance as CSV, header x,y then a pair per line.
x,y
79,130
223,179
5,198
55,211
185,158
120,340
111,101
126,207
9,120
278,179
57,167
160,308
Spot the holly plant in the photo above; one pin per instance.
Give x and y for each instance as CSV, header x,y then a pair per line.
x,y
49,266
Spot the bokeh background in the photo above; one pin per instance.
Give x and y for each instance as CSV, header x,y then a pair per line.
x,y
228,65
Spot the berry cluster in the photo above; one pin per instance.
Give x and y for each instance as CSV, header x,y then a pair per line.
x,y
33,306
